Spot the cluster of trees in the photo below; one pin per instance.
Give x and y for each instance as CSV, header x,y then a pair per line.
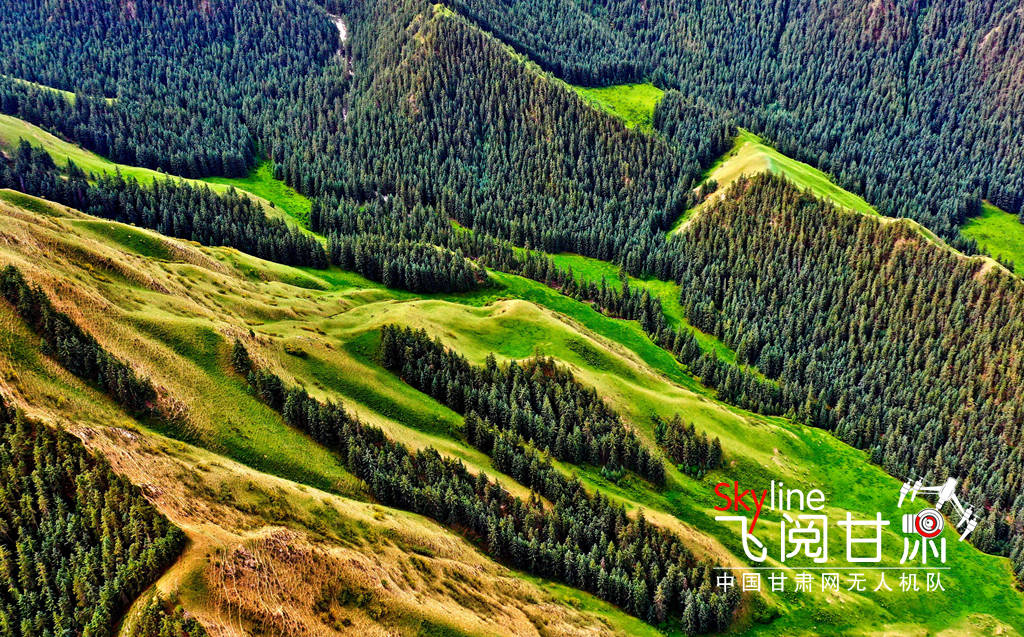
x,y
412,265
72,347
171,207
916,106
693,452
898,345
78,543
189,90
736,384
537,400
464,139
158,619
581,539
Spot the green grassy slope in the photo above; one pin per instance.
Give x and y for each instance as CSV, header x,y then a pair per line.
x,y
170,308
750,155
627,369
632,103
173,318
260,182
999,233
13,129
288,204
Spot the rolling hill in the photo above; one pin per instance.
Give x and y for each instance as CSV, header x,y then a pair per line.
x,y
630,274
171,308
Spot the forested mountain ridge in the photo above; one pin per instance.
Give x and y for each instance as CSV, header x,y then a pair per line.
x,y
910,350
914,105
385,144
468,139
942,75
317,411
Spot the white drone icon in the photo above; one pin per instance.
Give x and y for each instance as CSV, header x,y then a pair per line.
x,y
946,493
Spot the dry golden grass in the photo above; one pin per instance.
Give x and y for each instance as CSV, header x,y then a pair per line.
x,y
272,557
266,554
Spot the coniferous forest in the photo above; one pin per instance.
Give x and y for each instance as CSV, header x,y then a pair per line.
x,y
79,542
453,151
917,106
905,350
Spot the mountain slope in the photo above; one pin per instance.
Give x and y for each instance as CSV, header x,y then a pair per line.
x,y
320,333
232,513
875,313
914,106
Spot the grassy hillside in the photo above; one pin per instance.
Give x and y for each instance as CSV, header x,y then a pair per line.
x,y
255,488
171,307
260,182
632,103
999,233
751,155
287,203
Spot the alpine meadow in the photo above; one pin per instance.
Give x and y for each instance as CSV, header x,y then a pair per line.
x,y
559,317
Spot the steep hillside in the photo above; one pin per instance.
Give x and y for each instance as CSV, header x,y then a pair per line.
x,y
172,313
914,106
910,349
253,534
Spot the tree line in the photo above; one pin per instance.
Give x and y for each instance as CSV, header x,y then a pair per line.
x,y
536,400
694,453
899,346
175,208
73,348
79,542
581,539
171,207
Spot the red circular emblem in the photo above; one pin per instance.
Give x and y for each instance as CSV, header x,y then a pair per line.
x,y
928,523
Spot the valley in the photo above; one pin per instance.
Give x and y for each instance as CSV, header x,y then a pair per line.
x,y
319,327
450,319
